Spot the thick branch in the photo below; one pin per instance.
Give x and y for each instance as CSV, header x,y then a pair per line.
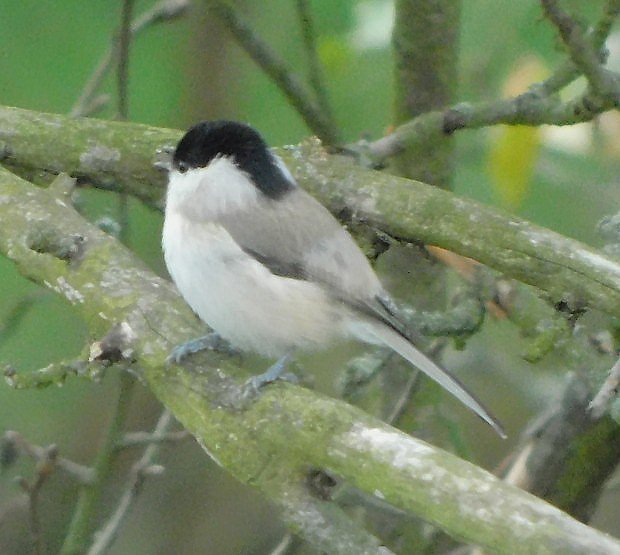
x,y
568,455
273,442
424,42
121,155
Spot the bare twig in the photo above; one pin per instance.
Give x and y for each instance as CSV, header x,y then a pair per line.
x,y
88,101
53,374
568,71
15,314
124,41
607,393
83,474
314,65
81,527
45,467
401,403
122,78
585,57
144,466
535,107
287,545
279,73
602,29
530,108
135,439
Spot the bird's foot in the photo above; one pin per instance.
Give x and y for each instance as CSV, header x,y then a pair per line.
x,y
212,342
275,372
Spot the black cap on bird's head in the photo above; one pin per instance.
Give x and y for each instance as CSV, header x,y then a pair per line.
x,y
209,140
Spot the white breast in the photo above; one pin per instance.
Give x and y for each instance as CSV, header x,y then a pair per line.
x,y
241,299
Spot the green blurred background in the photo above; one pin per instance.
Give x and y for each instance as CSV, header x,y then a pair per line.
x,y
190,69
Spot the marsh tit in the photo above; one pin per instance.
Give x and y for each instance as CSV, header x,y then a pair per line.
x,y
265,265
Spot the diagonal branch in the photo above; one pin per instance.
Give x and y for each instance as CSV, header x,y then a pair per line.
x,y
538,106
568,270
314,65
273,442
105,537
585,57
568,71
164,10
316,119
82,474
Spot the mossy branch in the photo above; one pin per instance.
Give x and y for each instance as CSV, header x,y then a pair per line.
x,y
121,156
275,441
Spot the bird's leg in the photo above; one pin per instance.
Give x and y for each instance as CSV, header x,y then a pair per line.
x,y
212,341
275,372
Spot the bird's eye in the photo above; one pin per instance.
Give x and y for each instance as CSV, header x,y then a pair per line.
x,y
182,167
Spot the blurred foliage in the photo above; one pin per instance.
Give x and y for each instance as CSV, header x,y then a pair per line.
x,y
566,181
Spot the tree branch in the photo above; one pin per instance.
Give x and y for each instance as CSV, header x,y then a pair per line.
x,y
133,439
568,455
124,42
568,71
314,65
568,270
88,103
424,43
105,537
584,56
530,108
316,120
83,474
272,442
83,522
607,393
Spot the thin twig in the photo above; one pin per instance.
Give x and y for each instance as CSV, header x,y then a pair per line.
x,y
80,529
124,41
17,312
279,73
135,439
53,374
530,108
45,467
314,65
535,107
106,536
287,545
603,27
122,81
568,71
585,57
88,101
607,393
403,400
83,474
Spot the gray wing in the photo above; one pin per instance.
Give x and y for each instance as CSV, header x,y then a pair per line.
x,y
296,236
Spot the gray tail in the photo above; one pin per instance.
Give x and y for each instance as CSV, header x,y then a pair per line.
x,y
404,348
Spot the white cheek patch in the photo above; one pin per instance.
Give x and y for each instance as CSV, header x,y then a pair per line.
x,y
219,188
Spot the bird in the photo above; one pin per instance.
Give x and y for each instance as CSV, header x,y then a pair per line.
x,y
266,266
